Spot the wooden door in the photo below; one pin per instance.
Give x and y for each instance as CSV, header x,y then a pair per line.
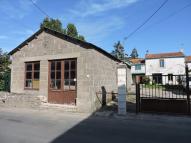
x,y
62,81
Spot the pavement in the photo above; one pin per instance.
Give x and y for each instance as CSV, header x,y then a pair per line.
x,y
39,126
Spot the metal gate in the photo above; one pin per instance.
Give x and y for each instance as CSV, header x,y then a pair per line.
x,y
163,94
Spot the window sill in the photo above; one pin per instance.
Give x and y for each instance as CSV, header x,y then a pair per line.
x,y
31,89
55,90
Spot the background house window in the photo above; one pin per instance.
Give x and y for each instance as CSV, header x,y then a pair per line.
x,y
162,63
138,67
32,75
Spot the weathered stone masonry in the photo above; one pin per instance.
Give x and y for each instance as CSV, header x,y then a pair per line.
x,y
94,69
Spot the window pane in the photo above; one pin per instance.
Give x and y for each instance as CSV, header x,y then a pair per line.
x,y
28,75
52,75
28,84
52,84
29,67
72,74
58,66
37,66
170,77
73,65
58,84
58,75
35,84
66,65
36,75
137,67
53,65
72,85
55,84
162,63
66,75
66,84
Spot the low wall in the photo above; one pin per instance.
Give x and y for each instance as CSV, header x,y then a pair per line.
x,y
164,105
19,100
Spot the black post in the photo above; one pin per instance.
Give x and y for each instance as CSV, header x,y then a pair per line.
x,y
137,97
187,89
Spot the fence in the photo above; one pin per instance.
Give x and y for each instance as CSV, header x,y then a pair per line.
x,y
163,93
105,97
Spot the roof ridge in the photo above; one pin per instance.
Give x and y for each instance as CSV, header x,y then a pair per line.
x,y
84,44
164,53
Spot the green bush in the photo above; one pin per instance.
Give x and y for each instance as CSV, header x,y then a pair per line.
x,y
146,80
5,81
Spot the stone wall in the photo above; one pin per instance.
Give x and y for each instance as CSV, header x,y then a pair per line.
x,y
19,100
94,70
45,47
102,73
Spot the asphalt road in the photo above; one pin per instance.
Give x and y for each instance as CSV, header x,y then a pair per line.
x,y
28,126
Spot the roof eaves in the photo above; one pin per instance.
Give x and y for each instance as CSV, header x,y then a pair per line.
x,y
25,42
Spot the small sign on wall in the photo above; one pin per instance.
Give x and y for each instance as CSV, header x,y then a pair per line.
x,y
122,90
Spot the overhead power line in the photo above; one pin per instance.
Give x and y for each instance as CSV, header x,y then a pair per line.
x,y
170,15
40,9
147,20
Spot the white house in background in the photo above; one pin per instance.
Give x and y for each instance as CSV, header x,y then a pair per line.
x,y
137,69
165,64
188,61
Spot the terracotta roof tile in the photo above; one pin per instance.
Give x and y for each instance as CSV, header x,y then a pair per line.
x,y
188,59
137,61
164,55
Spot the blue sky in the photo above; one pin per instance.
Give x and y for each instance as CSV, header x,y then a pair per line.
x,y
103,22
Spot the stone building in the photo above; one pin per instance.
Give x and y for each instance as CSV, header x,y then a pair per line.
x,y
63,69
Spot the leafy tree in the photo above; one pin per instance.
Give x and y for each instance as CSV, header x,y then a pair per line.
x,y
71,30
4,61
118,51
81,37
4,71
134,53
56,24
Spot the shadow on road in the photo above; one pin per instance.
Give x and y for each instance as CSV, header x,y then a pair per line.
x,y
134,130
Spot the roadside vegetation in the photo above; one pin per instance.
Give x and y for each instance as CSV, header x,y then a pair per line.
x,y
5,72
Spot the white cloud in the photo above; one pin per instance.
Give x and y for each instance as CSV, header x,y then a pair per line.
x,y
96,31
3,37
16,10
90,7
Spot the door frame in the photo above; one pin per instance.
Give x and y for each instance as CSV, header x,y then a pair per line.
x,y
61,90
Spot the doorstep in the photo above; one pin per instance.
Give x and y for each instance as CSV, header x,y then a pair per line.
x,y
59,107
